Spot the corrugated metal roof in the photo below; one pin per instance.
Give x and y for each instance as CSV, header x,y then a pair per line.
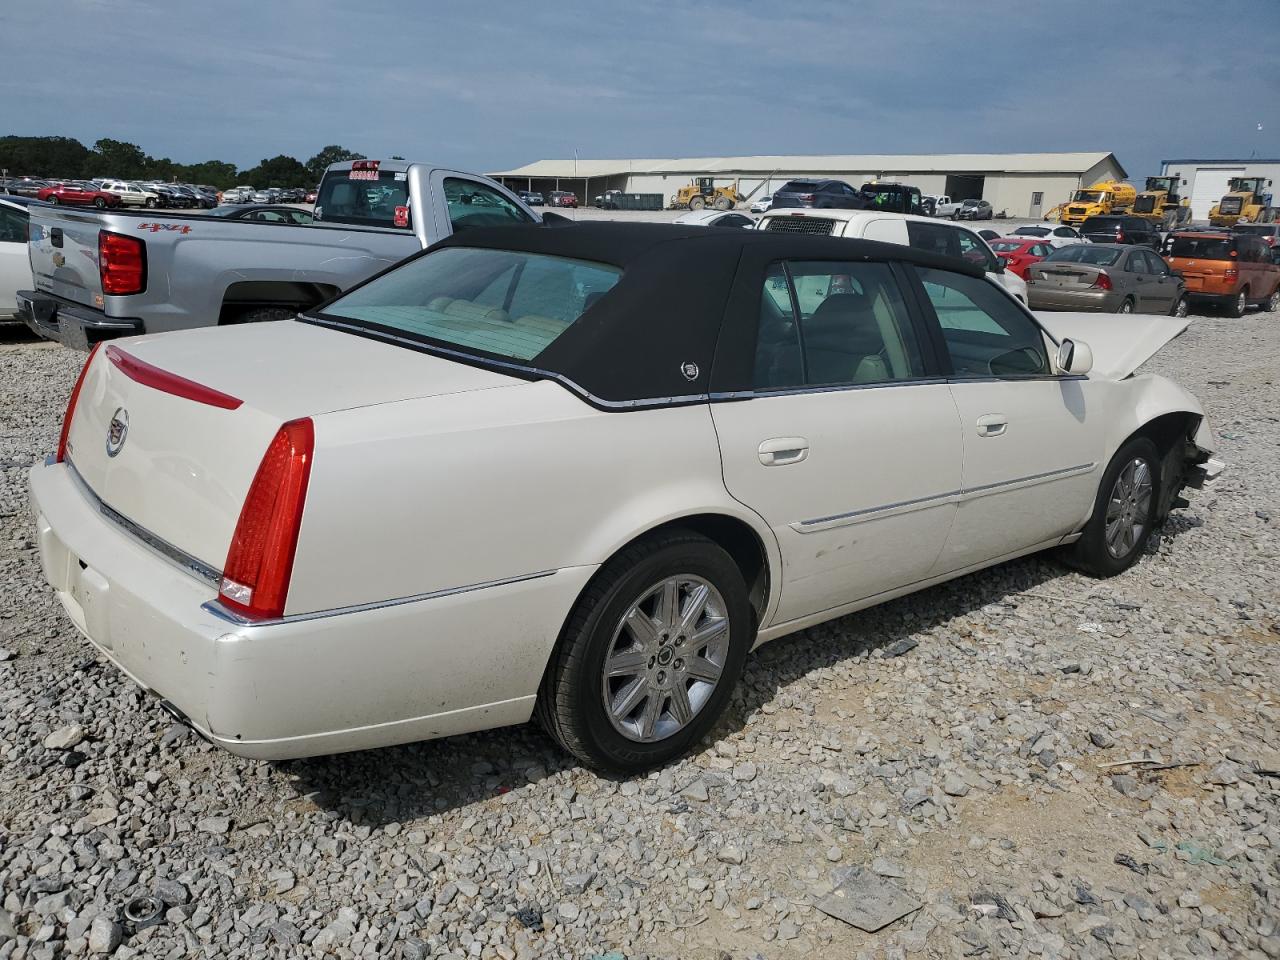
x,y
1074,163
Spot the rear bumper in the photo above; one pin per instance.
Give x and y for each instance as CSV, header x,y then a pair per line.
x,y
1055,298
1216,297
371,676
70,323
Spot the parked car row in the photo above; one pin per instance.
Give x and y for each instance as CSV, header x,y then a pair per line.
x,y
149,194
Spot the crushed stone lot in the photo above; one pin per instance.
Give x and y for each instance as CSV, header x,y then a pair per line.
x,y
1047,765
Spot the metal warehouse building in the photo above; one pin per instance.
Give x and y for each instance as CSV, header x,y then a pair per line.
x,y
1205,181
1020,184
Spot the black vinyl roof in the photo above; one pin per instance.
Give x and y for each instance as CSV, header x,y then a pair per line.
x,y
653,337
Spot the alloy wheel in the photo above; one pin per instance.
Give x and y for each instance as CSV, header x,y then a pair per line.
x,y
1128,508
667,655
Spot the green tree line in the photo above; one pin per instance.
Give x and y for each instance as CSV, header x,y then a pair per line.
x,y
67,158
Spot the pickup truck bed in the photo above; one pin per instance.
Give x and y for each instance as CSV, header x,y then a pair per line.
x,y
201,270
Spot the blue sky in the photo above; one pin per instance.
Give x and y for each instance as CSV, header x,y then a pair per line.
x,y
496,84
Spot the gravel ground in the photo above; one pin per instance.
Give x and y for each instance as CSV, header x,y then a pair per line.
x,y
961,744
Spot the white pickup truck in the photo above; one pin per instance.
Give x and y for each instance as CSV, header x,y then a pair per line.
x,y
102,275
945,207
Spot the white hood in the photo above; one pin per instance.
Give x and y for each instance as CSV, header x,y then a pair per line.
x,y
1120,342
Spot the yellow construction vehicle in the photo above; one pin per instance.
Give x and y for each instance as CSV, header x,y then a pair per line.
x,y
1247,201
1161,203
1105,196
703,192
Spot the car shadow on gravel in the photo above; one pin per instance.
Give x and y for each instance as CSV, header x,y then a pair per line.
x,y
394,784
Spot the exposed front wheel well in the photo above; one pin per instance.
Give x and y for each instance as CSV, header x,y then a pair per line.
x,y
1172,433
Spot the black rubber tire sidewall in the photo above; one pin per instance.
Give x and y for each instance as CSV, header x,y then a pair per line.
x,y
572,688
1090,551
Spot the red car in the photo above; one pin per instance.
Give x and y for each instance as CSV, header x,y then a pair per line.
x,y
1019,253
562,198
78,195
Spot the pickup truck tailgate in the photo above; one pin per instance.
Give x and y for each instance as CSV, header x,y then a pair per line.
x,y
63,245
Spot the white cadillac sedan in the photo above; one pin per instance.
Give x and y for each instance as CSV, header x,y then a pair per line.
x,y
579,474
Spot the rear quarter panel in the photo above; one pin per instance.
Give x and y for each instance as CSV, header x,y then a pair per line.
x,y
425,495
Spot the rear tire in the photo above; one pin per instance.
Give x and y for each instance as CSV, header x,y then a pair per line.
x,y
1126,306
1272,303
264,315
723,203
697,203
54,200
151,203
1239,304
634,716
100,203
1124,512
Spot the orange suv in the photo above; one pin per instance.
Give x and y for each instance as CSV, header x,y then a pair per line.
x,y
1225,269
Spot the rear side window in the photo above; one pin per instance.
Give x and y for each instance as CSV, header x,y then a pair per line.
x,y
380,202
475,204
985,332
825,324
503,303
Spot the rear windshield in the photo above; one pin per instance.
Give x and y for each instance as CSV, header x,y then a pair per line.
x,y
366,203
799,186
1099,256
1202,248
1032,231
1006,246
501,303
1101,225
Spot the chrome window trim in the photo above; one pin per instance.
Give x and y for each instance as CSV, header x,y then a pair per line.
x,y
939,499
179,558
222,613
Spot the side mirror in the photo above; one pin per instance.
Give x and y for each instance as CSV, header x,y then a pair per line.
x,y
1074,357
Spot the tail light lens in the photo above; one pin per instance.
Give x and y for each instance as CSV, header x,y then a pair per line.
x,y
71,405
122,264
1102,282
1231,273
255,578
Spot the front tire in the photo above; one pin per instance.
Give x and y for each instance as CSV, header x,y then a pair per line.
x,y
1124,513
1180,308
54,200
100,203
151,203
1126,306
649,657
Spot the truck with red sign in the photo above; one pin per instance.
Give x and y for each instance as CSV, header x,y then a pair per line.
x,y
98,275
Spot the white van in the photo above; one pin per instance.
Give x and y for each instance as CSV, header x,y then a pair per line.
x,y
923,233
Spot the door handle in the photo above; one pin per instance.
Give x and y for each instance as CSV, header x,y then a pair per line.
x,y
783,450
992,424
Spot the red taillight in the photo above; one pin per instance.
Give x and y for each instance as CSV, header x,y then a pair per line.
x,y
122,264
255,578
1231,273
71,405
1102,281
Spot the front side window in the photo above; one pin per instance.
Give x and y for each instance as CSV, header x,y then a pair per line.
x,y
503,303
845,324
475,204
987,335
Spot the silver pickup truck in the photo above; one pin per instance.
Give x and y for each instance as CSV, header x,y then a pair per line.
x,y
102,275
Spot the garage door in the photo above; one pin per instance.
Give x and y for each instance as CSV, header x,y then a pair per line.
x,y
1208,187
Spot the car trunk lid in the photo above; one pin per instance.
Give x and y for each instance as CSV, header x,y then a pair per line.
x,y
169,430
1065,274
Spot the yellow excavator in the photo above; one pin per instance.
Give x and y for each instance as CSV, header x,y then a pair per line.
x,y
703,192
1161,204
1247,201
